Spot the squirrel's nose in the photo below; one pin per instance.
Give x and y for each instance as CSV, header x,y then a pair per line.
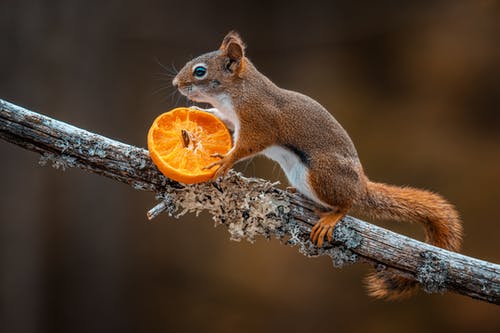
x,y
175,82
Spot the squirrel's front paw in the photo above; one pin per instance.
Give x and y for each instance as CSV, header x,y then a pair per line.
x,y
225,163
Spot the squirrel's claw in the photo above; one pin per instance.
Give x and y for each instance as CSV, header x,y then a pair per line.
x,y
218,155
325,227
224,164
219,162
318,235
221,172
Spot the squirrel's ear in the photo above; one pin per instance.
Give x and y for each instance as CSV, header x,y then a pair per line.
x,y
233,47
233,38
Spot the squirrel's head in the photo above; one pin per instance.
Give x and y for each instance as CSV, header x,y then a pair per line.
x,y
211,74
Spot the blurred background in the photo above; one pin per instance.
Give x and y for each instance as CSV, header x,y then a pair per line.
x,y
415,83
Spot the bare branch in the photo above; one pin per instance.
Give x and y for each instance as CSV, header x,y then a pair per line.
x,y
249,207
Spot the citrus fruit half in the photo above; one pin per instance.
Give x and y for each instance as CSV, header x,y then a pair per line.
x,y
181,144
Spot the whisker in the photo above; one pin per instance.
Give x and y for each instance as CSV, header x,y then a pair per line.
x,y
164,76
178,99
172,95
168,70
159,90
174,68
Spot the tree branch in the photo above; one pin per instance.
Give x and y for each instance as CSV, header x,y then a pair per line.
x,y
250,207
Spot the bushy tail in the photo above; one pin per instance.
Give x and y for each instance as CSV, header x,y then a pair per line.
x,y
438,217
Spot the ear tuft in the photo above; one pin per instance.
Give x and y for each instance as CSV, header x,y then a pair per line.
x,y
232,37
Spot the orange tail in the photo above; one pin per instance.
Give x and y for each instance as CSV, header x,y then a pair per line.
x,y
438,217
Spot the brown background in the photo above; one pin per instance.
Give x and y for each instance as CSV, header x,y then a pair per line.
x,y
416,84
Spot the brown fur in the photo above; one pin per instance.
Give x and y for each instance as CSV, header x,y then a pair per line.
x,y
269,115
438,217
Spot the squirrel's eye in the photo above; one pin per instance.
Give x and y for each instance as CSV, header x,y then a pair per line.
x,y
199,72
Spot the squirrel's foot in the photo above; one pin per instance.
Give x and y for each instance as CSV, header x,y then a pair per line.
x,y
324,227
225,163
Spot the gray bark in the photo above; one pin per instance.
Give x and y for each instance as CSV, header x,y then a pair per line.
x,y
250,207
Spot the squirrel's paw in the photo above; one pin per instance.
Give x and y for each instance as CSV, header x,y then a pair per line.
x,y
325,227
225,164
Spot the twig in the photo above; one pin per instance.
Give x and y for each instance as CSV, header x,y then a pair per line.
x,y
249,207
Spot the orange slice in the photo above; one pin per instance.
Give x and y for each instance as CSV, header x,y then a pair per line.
x,y
181,143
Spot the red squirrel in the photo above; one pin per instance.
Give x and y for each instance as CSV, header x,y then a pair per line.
x,y
315,152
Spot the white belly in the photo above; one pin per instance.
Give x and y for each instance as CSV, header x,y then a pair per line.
x,y
296,172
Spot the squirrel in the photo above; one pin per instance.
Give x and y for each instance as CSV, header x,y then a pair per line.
x,y
315,152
